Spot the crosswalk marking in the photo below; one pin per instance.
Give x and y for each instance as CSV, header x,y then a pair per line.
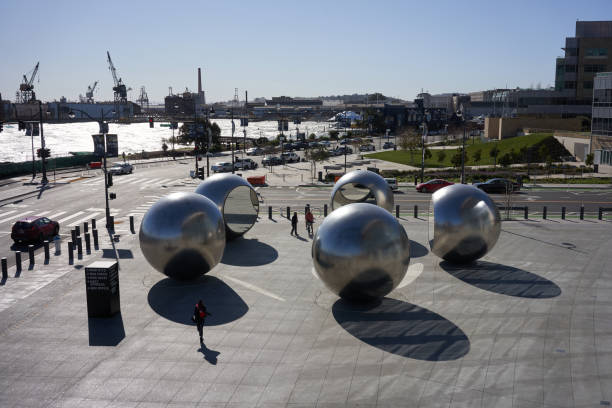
x,y
43,213
82,220
150,181
164,181
7,213
71,216
93,180
57,214
15,216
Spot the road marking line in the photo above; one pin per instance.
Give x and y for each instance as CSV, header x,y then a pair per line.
x,y
43,213
71,216
135,181
255,288
150,181
7,213
15,216
57,214
90,216
165,181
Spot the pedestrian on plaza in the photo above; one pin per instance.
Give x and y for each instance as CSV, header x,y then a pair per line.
x,y
199,314
294,222
309,221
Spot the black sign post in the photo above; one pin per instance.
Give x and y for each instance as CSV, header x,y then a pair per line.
x,y
102,287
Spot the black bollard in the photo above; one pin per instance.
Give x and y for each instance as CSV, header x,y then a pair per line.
x,y
85,227
324,210
18,261
544,212
132,230
31,254
95,237
77,228
70,252
288,213
111,223
87,243
4,269
582,212
416,211
600,214
270,212
79,248
73,235
526,213
93,223
397,211
46,245
562,213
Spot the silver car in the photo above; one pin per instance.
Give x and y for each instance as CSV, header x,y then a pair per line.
x,y
221,167
121,168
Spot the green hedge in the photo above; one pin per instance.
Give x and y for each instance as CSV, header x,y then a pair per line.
x,y
17,169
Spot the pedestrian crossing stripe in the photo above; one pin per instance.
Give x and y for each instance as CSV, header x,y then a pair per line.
x,y
71,216
57,215
7,213
10,217
82,220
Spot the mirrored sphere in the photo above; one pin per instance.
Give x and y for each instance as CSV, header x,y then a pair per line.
x,y
361,252
465,224
236,199
183,235
362,186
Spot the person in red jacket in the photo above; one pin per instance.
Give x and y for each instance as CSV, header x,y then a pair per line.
x,y
309,221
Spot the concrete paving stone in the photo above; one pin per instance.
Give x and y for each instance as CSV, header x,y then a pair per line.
x,y
259,374
400,390
136,389
191,391
465,398
496,401
219,392
109,389
232,373
247,394
164,390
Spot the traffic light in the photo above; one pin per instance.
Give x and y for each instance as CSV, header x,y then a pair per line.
x,y
112,196
201,173
43,153
151,122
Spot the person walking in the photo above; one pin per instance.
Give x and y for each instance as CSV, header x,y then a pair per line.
x,y
199,314
294,222
309,221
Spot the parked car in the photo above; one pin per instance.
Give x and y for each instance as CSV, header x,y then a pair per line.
x,y
313,144
254,151
121,168
290,157
342,150
325,143
388,145
392,181
221,167
367,148
498,185
300,145
432,186
245,164
271,161
34,229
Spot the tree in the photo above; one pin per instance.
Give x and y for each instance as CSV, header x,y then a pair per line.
x,y
441,155
457,158
477,156
333,134
312,136
164,147
494,153
188,135
316,155
427,154
589,159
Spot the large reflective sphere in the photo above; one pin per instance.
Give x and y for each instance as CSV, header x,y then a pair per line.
x,y
183,235
466,223
361,186
361,252
236,199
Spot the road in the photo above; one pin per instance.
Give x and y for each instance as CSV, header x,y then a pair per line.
x,y
83,199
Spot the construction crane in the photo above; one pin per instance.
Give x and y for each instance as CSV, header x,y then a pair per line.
x,y
26,93
119,89
89,94
143,99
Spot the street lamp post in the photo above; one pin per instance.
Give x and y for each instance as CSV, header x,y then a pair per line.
x,y
104,131
44,180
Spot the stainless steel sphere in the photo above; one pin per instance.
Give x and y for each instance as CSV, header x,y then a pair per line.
x,y
466,223
236,199
361,252
183,235
361,186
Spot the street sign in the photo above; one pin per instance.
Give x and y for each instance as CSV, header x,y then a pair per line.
x,y
168,125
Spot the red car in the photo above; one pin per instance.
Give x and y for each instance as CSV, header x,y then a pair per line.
x,y
34,229
432,186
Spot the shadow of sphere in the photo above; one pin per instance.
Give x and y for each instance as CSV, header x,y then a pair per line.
x,y
403,329
248,252
503,279
417,250
175,300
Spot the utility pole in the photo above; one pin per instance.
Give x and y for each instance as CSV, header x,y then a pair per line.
x,y
463,156
44,180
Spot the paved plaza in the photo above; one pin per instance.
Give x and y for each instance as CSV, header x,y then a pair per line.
x,y
529,325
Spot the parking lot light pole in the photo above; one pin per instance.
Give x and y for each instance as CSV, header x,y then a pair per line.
x,y
104,133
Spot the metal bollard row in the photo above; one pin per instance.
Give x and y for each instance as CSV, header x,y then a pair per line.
x,y
46,246
87,243
4,269
18,261
31,254
95,238
79,248
70,252
132,229
544,211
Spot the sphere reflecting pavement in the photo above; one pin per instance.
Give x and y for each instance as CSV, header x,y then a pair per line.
x,y
358,186
183,235
466,223
236,199
361,252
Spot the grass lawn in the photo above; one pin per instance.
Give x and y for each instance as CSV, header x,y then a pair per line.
x,y
505,146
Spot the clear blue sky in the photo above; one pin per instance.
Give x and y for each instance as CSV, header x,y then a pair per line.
x,y
296,48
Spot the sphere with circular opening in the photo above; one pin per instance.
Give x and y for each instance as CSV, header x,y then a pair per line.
x,y
183,235
361,252
235,198
362,186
